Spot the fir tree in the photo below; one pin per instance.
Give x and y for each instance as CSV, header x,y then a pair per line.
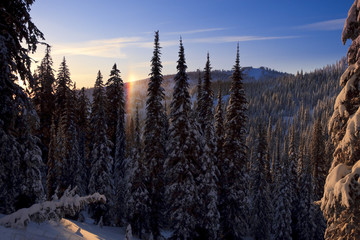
x,y
101,160
18,37
260,190
181,191
115,109
154,151
305,209
343,215
82,118
233,193
44,99
137,192
319,170
219,129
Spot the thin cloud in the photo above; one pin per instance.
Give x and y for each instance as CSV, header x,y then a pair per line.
x,y
108,48
330,25
195,31
226,39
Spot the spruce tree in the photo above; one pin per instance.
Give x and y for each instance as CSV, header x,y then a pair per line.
x,y
137,193
234,179
154,151
260,213
319,170
219,129
342,211
44,99
115,109
83,122
305,207
101,161
18,37
181,191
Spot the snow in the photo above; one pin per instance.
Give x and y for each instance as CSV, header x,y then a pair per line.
x,y
65,229
337,186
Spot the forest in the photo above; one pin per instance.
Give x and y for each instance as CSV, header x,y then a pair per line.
x,y
211,154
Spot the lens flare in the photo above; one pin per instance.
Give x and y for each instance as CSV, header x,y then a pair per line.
x,y
129,86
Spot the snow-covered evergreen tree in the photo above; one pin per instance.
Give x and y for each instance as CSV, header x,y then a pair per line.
x,y
181,172
341,199
83,124
101,161
282,202
18,37
154,150
115,109
260,214
319,164
292,163
234,179
44,99
219,128
305,225
137,193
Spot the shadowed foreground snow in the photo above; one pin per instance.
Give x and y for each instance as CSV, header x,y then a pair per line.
x,y
65,229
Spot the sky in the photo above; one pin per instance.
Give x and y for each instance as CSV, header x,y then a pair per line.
x,y
284,35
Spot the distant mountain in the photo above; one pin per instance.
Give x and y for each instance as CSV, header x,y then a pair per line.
x,y
136,91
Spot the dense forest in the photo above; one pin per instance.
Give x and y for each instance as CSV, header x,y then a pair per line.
x,y
204,154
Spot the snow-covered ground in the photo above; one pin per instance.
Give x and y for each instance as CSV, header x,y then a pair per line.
x,y
65,229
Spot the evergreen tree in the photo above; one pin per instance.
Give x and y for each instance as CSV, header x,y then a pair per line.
x,y
282,200
154,151
101,160
292,160
219,129
18,37
82,118
260,214
137,192
319,170
233,192
305,209
181,191
115,109
342,211
44,99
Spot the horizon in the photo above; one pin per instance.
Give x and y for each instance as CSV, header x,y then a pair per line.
x,y
93,36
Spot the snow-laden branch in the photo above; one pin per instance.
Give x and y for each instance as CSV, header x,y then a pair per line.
x,y
69,204
340,182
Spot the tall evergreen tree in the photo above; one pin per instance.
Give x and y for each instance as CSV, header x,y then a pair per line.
x,y
219,129
137,192
319,169
44,99
154,151
234,178
260,213
115,109
292,160
16,111
115,106
343,213
305,208
181,191
101,160
83,122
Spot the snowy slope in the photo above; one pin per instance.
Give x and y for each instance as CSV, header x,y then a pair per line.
x,y
65,229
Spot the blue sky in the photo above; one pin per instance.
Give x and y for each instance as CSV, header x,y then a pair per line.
x,y
281,34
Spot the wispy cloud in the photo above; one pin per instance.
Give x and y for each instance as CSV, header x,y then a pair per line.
x,y
109,48
330,25
114,47
225,39
195,31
